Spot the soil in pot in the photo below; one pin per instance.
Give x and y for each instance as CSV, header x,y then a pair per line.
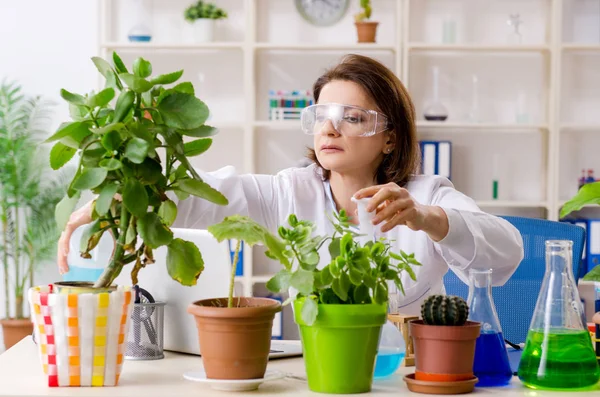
x,y
235,342
80,287
444,353
14,330
340,348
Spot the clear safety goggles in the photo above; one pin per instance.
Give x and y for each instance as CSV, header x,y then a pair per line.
x,y
347,120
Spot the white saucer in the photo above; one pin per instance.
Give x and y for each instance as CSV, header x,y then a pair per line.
x,y
233,384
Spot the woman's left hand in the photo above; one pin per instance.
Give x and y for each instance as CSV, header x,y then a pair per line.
x,y
396,206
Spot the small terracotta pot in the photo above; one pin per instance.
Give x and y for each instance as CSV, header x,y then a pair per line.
x,y
14,330
366,31
235,342
444,353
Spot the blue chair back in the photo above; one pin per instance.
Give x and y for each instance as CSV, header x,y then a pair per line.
x,y
515,300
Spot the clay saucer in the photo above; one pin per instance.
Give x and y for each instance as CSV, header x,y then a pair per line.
x,y
428,387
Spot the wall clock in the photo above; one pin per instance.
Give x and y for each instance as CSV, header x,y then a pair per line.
x,y
322,12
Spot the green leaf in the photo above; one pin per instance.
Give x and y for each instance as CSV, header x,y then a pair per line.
x,y
593,275
142,68
381,293
168,212
87,234
184,262
103,67
60,155
204,131
355,277
149,172
90,178
310,309
303,281
113,81
345,281
410,272
588,194
70,129
154,233
202,190
64,209
334,247
185,88
137,84
181,195
334,269
238,227
369,280
77,112
92,156
168,78
74,99
183,111
111,164
137,150
197,147
111,140
108,128
135,198
280,281
326,277
309,260
119,65
105,198
345,243
131,234
124,105
361,294
102,98
339,291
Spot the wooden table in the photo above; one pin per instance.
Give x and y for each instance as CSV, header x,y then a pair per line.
x,y
21,375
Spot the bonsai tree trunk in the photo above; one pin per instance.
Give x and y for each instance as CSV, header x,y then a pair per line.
x,y
116,263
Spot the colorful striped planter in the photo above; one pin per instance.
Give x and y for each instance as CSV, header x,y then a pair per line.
x,y
81,337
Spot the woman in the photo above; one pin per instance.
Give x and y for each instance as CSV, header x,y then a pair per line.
x,y
365,146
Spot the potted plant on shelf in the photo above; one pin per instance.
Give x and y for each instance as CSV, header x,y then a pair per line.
x,y
118,160
235,333
203,15
444,344
28,195
366,29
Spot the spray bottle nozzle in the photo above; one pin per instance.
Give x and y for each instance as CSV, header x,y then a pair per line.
x,y
365,219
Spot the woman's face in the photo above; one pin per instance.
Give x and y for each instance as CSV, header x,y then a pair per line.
x,y
348,154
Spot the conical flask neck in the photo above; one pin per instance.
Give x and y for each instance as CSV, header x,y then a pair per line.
x,y
480,301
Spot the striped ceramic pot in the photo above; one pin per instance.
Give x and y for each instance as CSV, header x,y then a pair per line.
x,y
81,337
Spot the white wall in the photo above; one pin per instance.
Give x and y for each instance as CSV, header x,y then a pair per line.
x,y
46,46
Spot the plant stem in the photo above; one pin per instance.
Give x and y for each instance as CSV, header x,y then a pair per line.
x,y
16,259
19,304
5,259
116,263
233,270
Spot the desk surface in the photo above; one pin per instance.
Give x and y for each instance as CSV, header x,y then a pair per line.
x,y
21,375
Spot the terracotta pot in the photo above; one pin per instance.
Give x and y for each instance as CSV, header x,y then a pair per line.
x,y
235,342
14,330
444,353
366,31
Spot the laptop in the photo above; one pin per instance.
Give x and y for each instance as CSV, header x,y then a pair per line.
x,y
180,334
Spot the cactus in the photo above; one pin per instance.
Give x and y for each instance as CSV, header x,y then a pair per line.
x,y
444,310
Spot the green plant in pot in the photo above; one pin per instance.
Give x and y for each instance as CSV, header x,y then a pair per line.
x,y
341,307
202,15
132,155
444,342
366,29
28,194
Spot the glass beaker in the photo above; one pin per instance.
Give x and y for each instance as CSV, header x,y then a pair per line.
x,y
436,111
491,365
142,17
558,352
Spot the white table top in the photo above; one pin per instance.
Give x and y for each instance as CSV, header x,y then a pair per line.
x,y
21,375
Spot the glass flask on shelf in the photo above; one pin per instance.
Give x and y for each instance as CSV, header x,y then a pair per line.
x,y
436,111
558,353
515,37
491,365
142,20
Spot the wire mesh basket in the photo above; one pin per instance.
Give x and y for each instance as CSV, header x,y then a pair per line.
x,y
145,339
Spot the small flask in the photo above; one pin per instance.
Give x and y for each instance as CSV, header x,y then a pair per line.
x,y
491,365
391,351
558,353
436,111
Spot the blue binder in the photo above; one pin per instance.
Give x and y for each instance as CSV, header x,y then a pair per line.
x,y
436,158
277,331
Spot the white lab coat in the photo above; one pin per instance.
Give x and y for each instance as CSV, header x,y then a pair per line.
x,y
475,239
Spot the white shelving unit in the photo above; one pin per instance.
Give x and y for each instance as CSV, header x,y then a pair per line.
x,y
262,51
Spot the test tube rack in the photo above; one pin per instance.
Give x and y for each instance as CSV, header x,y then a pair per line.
x,y
401,322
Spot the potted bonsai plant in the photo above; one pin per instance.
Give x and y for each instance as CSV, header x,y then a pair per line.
x,y
203,15
444,343
366,29
118,160
235,333
28,195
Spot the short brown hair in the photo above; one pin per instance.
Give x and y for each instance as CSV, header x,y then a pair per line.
x,y
392,98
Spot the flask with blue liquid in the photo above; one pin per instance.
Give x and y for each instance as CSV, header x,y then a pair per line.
x,y
391,351
491,365
88,269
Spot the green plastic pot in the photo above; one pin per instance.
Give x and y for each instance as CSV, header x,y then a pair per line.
x,y
340,348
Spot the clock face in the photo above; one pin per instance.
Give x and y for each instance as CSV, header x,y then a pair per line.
x,y
322,12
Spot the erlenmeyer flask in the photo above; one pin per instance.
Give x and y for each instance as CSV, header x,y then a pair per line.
x,y
491,365
436,111
558,352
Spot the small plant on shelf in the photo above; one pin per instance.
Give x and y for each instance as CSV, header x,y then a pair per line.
x,y
204,10
365,11
366,29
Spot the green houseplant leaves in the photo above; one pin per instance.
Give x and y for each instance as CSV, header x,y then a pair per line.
x,y
115,136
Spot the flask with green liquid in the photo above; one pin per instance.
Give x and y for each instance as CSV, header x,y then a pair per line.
x,y
558,353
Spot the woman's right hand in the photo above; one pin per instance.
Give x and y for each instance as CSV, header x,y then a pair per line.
x,y
82,216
